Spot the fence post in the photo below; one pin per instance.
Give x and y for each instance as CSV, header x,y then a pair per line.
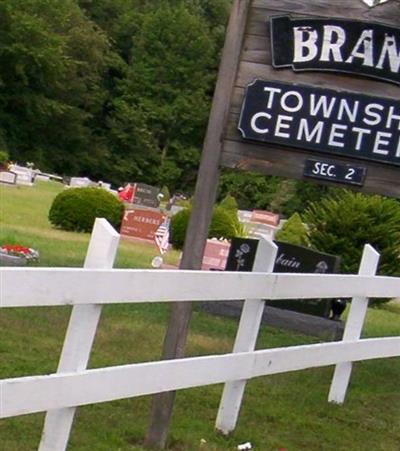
x,y
80,335
246,339
354,326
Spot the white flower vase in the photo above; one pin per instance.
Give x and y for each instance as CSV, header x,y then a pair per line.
x,y
11,260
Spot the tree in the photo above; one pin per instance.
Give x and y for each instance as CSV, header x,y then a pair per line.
x,y
168,84
52,60
250,190
342,224
294,232
112,89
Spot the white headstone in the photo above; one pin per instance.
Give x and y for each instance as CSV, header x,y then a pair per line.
x,y
8,177
25,176
80,182
42,178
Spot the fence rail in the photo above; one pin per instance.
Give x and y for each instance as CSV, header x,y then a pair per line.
x,y
74,286
37,394
88,288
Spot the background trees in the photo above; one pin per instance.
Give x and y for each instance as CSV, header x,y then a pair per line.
x,y
120,90
113,89
52,60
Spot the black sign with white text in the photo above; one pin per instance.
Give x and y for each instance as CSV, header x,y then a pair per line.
x,y
323,120
298,259
361,48
335,172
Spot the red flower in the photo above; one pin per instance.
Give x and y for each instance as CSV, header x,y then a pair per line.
x,y
20,251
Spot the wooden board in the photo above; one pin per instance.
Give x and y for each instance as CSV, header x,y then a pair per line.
x,y
72,286
39,393
256,62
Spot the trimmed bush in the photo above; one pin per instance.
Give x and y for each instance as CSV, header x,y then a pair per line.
x,y
4,157
76,209
229,203
294,232
344,223
166,194
179,223
224,224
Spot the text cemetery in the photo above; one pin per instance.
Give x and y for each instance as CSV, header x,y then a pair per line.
x,y
328,121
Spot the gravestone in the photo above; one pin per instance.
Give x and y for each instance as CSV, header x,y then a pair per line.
x,y
42,178
141,223
25,176
290,259
242,254
309,317
265,217
8,177
298,259
259,224
215,255
145,195
80,182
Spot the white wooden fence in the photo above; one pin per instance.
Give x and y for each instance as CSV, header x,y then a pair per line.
x,y
96,284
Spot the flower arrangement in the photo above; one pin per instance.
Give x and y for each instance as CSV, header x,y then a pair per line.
x,y
15,250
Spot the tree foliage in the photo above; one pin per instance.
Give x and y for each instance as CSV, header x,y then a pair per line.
x,y
342,224
117,90
294,232
224,224
52,61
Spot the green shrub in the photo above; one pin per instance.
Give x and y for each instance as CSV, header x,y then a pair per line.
x,y
294,232
166,194
344,223
77,208
229,203
179,223
4,157
224,224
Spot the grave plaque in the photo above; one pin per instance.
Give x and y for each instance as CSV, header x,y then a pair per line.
x,y
242,254
145,195
291,259
8,177
298,259
80,182
215,255
265,217
141,223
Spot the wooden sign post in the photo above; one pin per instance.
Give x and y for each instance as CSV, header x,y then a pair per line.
x,y
302,92
204,199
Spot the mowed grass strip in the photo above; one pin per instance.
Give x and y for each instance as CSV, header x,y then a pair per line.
x,y
288,411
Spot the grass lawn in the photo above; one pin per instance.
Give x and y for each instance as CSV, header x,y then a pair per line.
x,y
23,220
288,411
